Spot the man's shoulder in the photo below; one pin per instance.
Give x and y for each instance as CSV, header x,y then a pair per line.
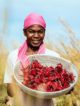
x,y
51,52
14,52
13,55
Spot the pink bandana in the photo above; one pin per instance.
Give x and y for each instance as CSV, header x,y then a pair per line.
x,y
22,55
34,18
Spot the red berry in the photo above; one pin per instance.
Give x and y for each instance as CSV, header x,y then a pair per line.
x,y
44,78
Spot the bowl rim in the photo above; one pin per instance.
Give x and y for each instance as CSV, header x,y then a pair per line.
x,y
44,92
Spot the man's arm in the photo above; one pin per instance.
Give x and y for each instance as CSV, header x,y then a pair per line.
x,y
10,94
10,89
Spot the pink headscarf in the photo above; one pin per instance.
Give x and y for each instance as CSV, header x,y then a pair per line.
x,y
31,19
22,55
34,18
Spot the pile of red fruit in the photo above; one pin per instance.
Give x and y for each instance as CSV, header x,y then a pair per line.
x,y
46,78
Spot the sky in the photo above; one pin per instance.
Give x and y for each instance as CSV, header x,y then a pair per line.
x,y
13,13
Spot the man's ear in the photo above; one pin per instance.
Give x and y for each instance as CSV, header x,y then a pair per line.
x,y
24,32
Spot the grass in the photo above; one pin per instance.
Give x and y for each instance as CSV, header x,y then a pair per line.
x,y
70,52
3,93
72,99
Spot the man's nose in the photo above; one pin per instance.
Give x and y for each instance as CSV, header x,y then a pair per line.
x,y
36,34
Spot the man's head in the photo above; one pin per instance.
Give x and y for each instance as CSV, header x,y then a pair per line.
x,y
34,18
34,29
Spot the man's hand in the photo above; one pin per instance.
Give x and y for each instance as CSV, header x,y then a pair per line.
x,y
9,101
70,91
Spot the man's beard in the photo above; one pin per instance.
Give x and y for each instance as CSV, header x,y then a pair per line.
x,y
34,48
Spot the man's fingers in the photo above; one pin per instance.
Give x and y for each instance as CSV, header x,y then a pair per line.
x,y
9,101
70,91
6,99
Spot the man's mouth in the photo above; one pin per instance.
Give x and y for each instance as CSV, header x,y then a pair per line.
x,y
36,41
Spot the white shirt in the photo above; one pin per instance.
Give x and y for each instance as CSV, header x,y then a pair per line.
x,y
12,59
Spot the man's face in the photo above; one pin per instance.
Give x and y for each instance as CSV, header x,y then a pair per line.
x,y
35,35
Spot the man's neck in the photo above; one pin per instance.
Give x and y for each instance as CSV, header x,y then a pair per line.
x,y
31,51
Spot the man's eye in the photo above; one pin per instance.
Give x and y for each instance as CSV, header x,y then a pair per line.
x,y
31,31
41,31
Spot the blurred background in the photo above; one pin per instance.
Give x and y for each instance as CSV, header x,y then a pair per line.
x,y
63,30
56,13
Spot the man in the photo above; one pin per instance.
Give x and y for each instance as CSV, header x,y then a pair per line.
x,y
34,31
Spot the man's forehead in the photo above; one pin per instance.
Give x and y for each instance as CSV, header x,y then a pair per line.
x,y
35,27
